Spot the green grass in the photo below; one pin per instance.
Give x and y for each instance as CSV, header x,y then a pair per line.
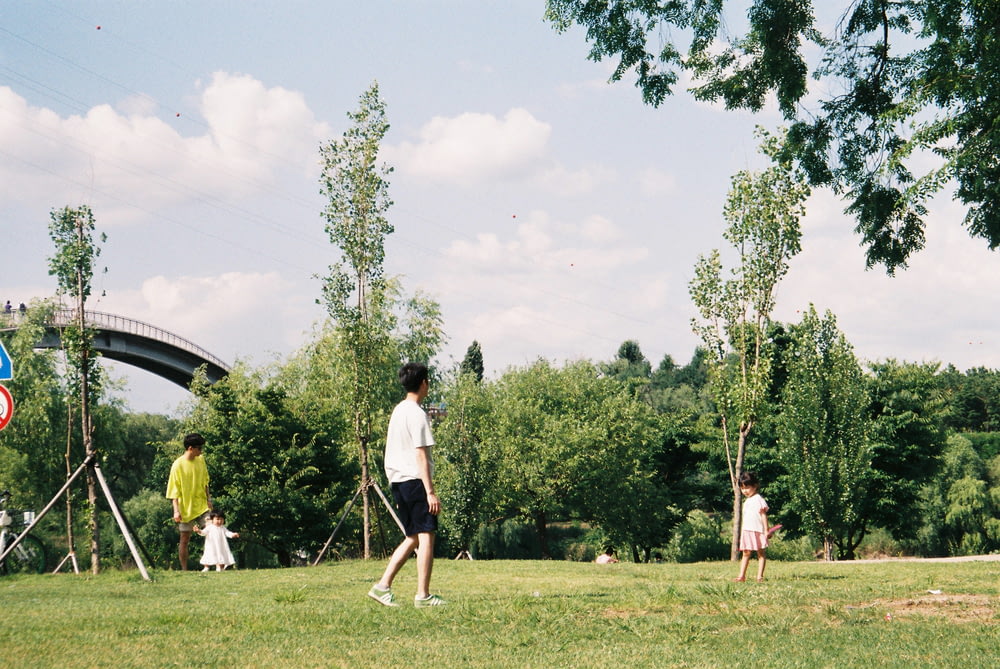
x,y
512,614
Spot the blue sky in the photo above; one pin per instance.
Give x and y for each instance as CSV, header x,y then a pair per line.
x,y
549,212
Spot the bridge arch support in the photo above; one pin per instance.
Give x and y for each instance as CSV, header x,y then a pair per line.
x,y
134,343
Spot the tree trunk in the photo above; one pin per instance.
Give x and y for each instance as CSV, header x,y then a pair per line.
x,y
87,430
828,548
543,536
734,553
70,538
365,500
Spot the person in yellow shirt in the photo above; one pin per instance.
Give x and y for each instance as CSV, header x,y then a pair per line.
x,y
187,489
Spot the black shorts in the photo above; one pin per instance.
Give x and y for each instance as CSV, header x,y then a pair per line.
x,y
411,505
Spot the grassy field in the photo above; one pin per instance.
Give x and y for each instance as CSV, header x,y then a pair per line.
x,y
512,614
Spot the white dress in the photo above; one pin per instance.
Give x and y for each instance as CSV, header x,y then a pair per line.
x,y
216,547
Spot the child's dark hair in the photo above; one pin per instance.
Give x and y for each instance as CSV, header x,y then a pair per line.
x,y
412,375
748,480
212,515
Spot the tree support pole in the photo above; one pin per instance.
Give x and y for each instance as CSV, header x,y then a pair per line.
x,y
371,484
89,461
121,522
41,514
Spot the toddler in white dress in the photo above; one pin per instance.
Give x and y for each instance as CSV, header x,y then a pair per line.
x,y
216,542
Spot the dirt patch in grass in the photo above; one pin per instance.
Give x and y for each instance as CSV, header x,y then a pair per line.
x,y
953,608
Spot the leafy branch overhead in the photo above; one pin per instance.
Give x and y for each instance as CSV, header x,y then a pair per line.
x,y
899,86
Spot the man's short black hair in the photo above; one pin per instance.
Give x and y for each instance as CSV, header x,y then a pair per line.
x,y
412,375
193,440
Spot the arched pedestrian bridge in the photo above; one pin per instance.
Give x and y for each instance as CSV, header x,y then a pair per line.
x,y
133,342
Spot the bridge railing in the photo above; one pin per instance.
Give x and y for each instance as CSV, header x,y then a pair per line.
x,y
100,320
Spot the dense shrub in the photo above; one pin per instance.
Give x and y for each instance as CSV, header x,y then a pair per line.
x,y
698,538
509,540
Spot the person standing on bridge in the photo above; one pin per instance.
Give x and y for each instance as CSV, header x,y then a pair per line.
x,y
187,490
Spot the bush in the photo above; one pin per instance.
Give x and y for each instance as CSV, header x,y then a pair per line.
x,y
510,540
150,516
697,539
879,544
802,549
574,541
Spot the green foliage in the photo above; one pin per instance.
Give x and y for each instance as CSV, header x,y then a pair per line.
x,y
910,87
472,363
33,444
507,540
697,539
149,513
629,364
823,434
908,411
574,444
357,200
276,480
762,213
960,506
464,466
974,399
72,264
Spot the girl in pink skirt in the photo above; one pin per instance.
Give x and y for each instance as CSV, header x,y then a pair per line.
x,y
754,534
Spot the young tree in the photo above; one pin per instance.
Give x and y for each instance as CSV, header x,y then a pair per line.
x,y
907,81
472,363
762,213
823,434
467,470
376,328
277,478
355,291
72,264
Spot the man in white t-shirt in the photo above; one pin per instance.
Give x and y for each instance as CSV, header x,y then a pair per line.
x,y
409,468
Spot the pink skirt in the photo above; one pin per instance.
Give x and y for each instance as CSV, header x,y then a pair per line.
x,y
752,541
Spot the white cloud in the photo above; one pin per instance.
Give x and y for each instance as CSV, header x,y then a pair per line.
x,y
474,147
255,124
222,313
127,162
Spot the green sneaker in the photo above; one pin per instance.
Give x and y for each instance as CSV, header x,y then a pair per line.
x,y
432,600
383,597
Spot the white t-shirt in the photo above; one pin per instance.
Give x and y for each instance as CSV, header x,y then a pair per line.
x,y
408,431
752,508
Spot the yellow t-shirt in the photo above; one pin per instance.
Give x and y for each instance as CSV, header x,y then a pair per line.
x,y
188,483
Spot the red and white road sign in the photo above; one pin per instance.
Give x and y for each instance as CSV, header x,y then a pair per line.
x,y
6,407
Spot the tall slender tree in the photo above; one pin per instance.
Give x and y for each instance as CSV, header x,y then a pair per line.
x,y
762,212
354,293
72,231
